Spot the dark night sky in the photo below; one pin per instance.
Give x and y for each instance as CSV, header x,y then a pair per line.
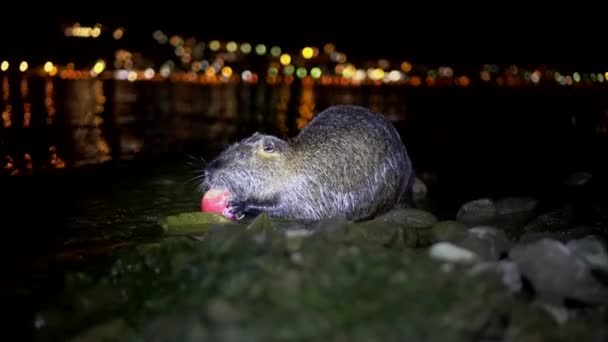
x,y
424,31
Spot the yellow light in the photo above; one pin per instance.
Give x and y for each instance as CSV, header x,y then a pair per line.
x,y
48,67
132,76
226,71
4,66
260,49
315,72
95,32
245,48
23,66
285,59
406,66
98,67
231,46
307,52
53,71
606,75
214,45
349,71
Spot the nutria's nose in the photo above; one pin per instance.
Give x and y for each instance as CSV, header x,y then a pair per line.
x,y
212,167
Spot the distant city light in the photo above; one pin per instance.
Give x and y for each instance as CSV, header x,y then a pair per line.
x,y
329,48
191,61
260,49
98,68
83,31
149,73
119,32
246,48
273,72
275,51
301,72
307,52
289,70
285,59
48,66
132,76
226,71
394,76
214,45
231,46
246,75
348,71
4,66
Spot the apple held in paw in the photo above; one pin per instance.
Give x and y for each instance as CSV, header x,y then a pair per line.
x,y
216,201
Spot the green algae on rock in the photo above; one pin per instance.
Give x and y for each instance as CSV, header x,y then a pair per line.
x,y
192,222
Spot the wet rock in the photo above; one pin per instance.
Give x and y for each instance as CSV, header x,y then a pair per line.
x,y
556,220
477,212
578,179
447,230
407,227
487,242
447,251
420,194
553,270
563,235
506,270
514,212
592,250
409,218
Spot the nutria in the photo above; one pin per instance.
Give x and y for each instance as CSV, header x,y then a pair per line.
x,y
347,162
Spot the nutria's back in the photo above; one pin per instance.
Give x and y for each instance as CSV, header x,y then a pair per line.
x,y
356,158
346,162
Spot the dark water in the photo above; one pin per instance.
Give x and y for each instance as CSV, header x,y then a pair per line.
x,y
61,141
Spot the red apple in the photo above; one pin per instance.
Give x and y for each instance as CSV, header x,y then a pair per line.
x,y
216,201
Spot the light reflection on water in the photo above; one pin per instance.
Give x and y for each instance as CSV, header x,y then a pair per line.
x,y
49,123
465,133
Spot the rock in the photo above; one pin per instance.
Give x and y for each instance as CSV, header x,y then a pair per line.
x,y
477,212
487,242
592,250
556,220
514,212
507,270
409,218
553,270
446,230
578,179
446,251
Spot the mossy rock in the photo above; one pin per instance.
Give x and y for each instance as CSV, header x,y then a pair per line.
x,y
192,223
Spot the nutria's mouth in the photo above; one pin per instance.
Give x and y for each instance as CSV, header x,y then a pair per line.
x,y
217,182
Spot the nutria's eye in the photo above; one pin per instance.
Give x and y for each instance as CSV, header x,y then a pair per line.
x,y
268,146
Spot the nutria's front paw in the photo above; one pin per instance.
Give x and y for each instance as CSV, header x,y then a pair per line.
x,y
237,209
